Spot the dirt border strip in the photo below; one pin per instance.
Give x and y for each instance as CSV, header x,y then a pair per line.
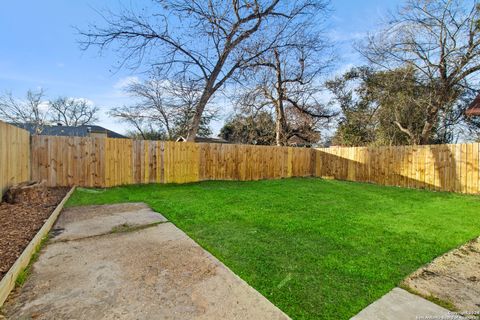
x,y
8,281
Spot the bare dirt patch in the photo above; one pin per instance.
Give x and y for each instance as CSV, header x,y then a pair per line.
x,y
19,222
453,278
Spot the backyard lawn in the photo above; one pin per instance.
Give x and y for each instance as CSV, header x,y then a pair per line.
x,y
318,249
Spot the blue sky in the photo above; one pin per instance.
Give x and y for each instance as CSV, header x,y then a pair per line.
x,y
39,48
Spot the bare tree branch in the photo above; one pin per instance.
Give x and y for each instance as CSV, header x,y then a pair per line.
x,y
73,112
163,108
206,42
33,110
287,80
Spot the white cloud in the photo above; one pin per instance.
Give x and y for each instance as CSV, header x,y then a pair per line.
x,y
44,106
122,83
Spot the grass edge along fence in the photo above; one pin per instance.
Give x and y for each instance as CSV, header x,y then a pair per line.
x,y
14,156
105,162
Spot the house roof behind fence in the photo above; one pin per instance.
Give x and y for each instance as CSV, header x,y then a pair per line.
x,y
68,131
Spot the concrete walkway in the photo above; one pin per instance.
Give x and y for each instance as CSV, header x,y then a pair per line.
x,y
400,304
127,262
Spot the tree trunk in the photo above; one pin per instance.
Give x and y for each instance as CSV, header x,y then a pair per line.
x,y
280,124
202,103
207,93
425,137
278,138
426,132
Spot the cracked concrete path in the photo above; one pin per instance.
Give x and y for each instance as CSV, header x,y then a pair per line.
x,y
128,262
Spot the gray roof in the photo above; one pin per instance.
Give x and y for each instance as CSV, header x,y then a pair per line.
x,y
68,131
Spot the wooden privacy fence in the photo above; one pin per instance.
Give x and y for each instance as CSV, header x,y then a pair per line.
x,y
14,156
453,167
104,162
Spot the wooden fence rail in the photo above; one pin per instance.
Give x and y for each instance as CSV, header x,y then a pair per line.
x,y
14,156
100,162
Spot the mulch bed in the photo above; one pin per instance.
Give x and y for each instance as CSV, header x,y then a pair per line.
x,y
20,222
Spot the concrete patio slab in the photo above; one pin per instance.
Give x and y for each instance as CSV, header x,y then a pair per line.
x,y
154,273
80,222
400,304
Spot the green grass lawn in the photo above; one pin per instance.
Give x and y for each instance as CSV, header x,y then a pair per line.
x,y
318,249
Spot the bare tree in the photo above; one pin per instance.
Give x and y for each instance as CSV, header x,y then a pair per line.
x,y
207,42
184,96
164,107
73,112
151,110
287,79
32,110
440,40
142,124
